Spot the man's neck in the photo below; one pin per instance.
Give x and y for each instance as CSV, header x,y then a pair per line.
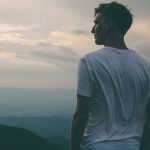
x,y
117,42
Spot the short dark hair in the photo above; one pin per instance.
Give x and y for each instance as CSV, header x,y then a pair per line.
x,y
117,12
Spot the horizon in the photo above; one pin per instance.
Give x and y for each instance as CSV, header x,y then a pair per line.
x,y
36,102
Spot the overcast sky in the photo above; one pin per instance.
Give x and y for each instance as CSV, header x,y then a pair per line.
x,y
41,41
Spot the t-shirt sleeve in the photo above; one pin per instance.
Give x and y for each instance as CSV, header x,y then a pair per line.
x,y
83,79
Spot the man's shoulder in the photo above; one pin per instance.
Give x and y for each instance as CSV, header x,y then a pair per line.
x,y
91,55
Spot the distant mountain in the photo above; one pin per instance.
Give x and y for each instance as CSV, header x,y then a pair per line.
x,y
61,141
37,102
12,138
43,126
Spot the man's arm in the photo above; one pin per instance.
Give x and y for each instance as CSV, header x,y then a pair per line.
x,y
145,142
79,122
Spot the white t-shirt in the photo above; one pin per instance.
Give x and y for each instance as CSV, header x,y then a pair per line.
x,y
118,82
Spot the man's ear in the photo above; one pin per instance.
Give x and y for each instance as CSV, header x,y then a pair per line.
x,y
109,25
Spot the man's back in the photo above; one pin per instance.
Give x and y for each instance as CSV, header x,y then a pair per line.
x,y
113,87
119,89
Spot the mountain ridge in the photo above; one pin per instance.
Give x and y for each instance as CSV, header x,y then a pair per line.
x,y
14,138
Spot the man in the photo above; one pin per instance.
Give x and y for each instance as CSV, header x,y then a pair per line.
x,y
113,87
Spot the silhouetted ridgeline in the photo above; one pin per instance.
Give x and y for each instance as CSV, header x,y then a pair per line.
x,y
12,138
43,126
60,141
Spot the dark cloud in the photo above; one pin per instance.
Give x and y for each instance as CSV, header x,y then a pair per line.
x,y
68,51
45,52
81,32
58,53
44,44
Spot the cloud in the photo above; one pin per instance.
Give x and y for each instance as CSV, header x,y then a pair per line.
x,y
141,28
19,38
80,32
41,54
144,50
140,9
5,56
19,33
139,37
56,54
80,44
16,27
50,36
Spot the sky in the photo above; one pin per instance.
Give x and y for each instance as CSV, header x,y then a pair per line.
x,y
41,41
